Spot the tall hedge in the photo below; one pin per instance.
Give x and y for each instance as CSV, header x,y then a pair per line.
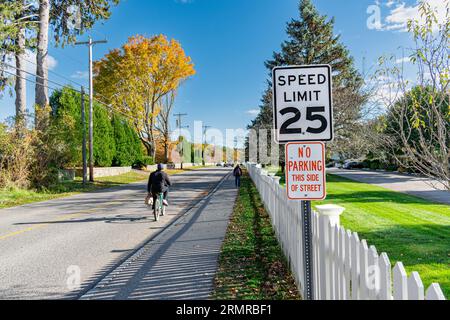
x,y
66,112
115,141
104,142
128,145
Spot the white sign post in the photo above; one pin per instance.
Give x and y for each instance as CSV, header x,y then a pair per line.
x,y
305,171
303,119
302,100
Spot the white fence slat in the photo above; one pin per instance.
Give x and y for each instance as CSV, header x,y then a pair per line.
x,y
323,228
355,266
331,262
415,287
364,269
400,282
347,264
373,277
385,277
337,262
434,292
316,255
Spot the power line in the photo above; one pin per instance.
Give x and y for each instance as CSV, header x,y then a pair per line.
x,y
109,106
53,72
34,75
56,74
25,78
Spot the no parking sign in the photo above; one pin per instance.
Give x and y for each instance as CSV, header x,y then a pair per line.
x,y
305,171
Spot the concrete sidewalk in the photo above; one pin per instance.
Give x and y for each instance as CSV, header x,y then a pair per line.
x,y
181,262
416,186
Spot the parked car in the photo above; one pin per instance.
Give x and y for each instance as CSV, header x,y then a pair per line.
x,y
229,165
353,165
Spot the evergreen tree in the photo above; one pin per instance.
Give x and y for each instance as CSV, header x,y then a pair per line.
x,y
312,41
128,144
104,142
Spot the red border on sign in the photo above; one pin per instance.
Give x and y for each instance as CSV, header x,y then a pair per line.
x,y
324,170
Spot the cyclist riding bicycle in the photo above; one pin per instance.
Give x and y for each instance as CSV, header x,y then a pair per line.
x,y
159,182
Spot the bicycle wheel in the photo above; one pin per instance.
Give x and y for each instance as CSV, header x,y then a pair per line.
x,y
157,209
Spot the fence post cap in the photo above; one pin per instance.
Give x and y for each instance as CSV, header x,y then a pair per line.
x,y
330,210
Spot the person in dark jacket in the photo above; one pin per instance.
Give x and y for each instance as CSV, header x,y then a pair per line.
x,y
159,182
237,172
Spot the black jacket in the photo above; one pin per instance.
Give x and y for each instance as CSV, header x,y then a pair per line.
x,y
158,182
237,172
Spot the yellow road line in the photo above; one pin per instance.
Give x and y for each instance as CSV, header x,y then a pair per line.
x,y
66,217
12,234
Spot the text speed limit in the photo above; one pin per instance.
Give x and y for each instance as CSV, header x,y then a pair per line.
x,y
302,98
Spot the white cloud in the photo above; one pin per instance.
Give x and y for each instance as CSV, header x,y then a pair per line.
x,y
390,3
80,75
401,13
52,63
252,112
403,60
30,63
30,56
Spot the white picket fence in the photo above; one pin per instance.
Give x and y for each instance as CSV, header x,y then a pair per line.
x,y
344,266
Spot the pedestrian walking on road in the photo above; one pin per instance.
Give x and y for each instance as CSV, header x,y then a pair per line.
x,y
237,172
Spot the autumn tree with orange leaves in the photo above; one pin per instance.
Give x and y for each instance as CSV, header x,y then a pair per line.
x,y
135,79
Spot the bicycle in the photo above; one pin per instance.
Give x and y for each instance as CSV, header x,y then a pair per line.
x,y
160,209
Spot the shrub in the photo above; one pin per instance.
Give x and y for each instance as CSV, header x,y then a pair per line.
x,y
66,121
16,156
147,160
128,144
104,142
143,162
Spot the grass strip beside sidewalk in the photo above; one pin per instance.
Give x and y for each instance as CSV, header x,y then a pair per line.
x,y
252,265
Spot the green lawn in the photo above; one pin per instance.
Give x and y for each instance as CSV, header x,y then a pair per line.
x,y
407,228
251,264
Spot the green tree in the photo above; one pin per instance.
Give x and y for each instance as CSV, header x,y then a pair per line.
x,y
128,144
104,142
312,41
66,111
67,125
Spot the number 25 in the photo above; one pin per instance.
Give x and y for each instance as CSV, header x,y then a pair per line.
x,y
311,115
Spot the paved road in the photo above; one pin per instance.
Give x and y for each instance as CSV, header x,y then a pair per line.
x,y
43,245
416,186
181,262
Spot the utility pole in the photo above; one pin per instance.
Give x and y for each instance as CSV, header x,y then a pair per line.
x,y
205,129
90,44
235,155
83,148
180,126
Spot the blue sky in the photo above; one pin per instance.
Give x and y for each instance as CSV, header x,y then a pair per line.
x,y
229,40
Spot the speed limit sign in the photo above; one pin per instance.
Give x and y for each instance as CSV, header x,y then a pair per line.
x,y
302,103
